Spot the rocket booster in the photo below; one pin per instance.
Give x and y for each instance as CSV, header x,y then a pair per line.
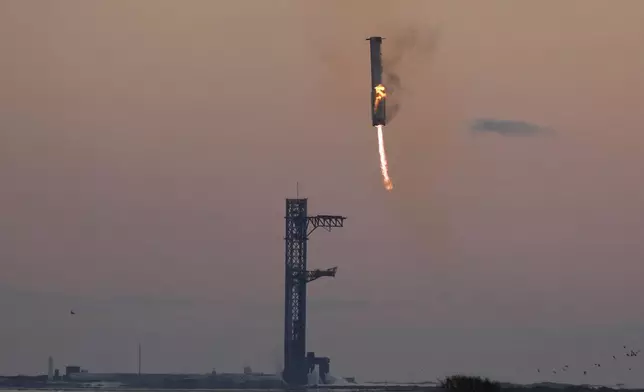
x,y
378,114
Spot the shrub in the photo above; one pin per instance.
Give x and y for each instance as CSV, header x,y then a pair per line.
x,y
460,383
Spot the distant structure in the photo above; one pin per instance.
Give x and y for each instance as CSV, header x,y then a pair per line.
x,y
139,367
186,381
298,364
50,369
71,369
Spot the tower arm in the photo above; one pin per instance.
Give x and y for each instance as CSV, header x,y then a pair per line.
x,y
326,222
317,274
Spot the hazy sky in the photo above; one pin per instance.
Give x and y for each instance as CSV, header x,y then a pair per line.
x,y
146,148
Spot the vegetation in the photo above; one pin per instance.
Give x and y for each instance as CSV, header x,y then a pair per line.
x,y
460,383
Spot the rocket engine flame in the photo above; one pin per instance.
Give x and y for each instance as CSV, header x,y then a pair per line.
x,y
384,167
380,95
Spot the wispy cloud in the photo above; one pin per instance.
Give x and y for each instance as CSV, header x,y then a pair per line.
x,y
508,127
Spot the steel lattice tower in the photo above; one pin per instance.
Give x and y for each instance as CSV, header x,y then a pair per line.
x,y
298,228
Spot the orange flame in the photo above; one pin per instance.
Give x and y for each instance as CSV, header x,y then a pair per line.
x,y
384,167
380,95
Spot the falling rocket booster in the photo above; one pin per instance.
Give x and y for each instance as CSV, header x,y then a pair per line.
x,y
378,101
378,94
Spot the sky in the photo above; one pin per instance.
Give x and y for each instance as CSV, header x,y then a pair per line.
x,y
146,149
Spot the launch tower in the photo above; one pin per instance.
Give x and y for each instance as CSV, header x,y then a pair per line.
x,y
299,226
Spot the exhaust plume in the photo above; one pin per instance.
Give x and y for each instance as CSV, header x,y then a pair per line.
x,y
384,167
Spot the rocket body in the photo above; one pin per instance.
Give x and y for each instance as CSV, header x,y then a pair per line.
x,y
378,113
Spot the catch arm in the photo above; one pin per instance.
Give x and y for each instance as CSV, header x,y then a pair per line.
x,y
318,273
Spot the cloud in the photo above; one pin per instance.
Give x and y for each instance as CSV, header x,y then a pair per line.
x,y
508,127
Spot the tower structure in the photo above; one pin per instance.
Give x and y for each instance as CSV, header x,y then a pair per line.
x,y
139,361
50,369
299,226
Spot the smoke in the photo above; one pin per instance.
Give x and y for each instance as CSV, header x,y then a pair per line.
x,y
407,48
508,127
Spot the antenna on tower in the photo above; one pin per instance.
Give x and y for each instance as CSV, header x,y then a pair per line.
x,y
297,190
139,359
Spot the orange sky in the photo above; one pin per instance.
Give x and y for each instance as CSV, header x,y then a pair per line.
x,y
146,148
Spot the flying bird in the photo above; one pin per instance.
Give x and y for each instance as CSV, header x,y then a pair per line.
x,y
72,312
